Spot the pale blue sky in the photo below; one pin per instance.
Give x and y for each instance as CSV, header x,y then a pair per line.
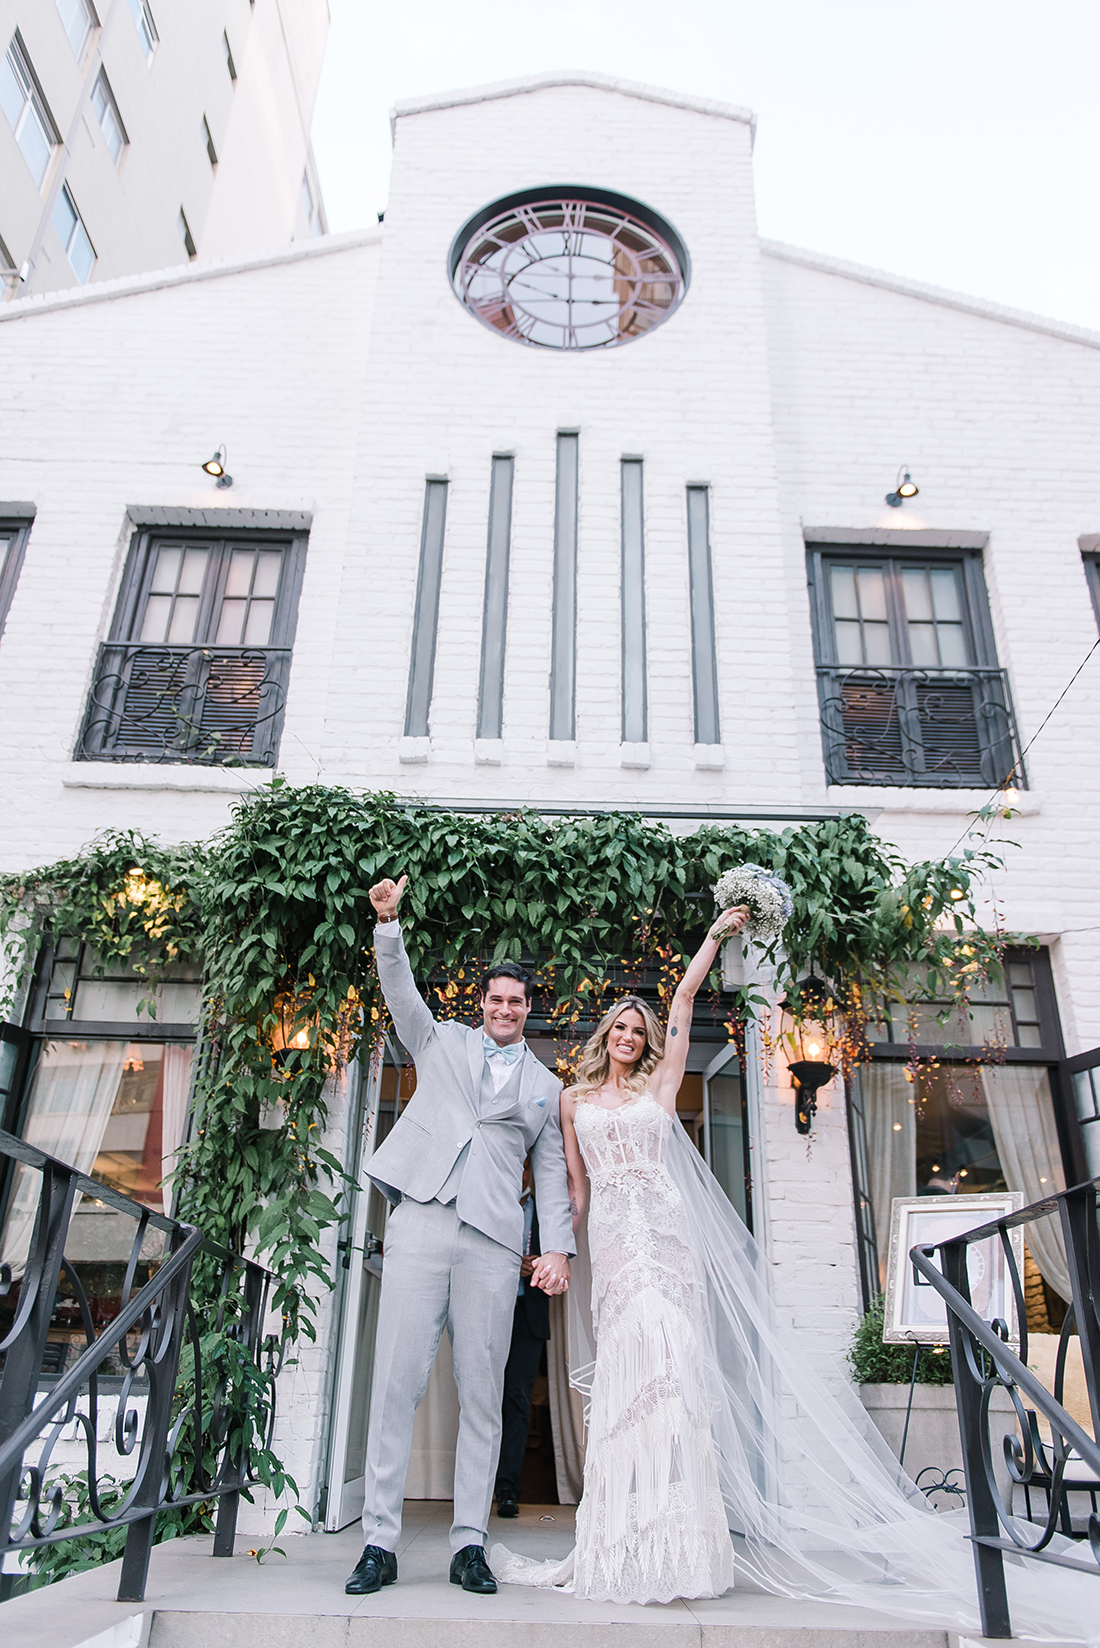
x,y
953,141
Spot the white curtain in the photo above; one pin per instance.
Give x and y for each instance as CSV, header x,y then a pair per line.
x,y
566,1410
75,1085
891,1119
1022,1114
176,1087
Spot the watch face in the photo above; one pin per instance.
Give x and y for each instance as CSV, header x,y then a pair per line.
x,y
569,270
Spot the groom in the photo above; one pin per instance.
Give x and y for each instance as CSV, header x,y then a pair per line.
x,y
452,1167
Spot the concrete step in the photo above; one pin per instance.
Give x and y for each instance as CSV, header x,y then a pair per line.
x,y
297,1601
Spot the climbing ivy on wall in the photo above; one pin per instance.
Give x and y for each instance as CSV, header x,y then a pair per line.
x,y
275,911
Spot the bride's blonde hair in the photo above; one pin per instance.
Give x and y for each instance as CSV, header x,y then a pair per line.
x,y
595,1065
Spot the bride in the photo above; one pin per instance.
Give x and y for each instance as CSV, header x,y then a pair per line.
x,y
712,1426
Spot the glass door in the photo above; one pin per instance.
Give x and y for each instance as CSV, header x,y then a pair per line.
x,y
361,1273
726,1130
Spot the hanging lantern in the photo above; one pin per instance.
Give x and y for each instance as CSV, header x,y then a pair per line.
x,y
295,1026
811,1033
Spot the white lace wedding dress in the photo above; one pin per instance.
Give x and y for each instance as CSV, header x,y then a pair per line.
x,y
651,1524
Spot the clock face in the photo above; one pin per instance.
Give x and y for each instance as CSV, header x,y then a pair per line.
x,y
569,271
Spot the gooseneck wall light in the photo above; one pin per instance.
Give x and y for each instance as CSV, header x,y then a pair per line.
x,y
904,487
216,466
809,1032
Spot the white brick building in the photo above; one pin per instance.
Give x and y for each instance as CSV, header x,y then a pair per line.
x,y
780,401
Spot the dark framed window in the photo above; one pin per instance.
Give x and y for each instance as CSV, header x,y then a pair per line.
x,y
908,682
989,1108
197,664
1092,574
13,543
418,703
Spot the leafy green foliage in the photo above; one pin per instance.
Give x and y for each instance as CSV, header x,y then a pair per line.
x,y
874,1363
276,909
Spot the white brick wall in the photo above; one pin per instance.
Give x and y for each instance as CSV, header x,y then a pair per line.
x,y
341,376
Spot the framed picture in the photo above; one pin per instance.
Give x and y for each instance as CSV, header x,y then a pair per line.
x,y
915,1312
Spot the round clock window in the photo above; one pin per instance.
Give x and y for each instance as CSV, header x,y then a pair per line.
x,y
569,268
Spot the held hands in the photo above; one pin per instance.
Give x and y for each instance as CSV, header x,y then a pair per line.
x,y
550,1272
728,923
386,895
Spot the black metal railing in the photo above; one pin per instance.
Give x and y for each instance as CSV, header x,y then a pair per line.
x,y
210,706
1069,1463
943,728
179,1430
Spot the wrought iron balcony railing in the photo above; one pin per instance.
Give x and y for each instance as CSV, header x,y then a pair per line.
x,y
180,1431
211,706
940,728
1069,1463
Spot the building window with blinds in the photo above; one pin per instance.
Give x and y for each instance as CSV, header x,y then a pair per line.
x,y
197,664
908,683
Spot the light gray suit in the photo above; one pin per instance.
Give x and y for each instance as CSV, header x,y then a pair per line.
x,y
453,1165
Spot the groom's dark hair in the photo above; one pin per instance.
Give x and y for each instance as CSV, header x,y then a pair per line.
x,y
512,970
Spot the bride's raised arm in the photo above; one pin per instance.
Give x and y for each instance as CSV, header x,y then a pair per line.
x,y
666,1078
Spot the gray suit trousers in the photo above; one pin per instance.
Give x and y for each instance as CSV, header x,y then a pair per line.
x,y
438,1272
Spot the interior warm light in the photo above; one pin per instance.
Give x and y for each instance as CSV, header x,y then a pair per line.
x,y
897,1127
935,1167
962,1173
957,893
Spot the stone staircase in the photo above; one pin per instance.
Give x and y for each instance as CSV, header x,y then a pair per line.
x,y
297,1601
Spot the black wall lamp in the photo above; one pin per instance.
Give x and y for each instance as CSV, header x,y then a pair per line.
x,y
904,487
808,1030
216,466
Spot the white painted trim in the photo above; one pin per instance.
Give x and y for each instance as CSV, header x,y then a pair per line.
x,y
188,273
570,77
930,294
102,775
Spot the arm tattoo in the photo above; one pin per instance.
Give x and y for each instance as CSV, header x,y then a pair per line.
x,y
674,1031
573,1208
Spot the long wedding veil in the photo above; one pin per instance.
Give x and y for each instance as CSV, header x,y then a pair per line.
x,y
820,1507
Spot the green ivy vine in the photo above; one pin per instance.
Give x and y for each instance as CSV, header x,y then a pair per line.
x,y
275,911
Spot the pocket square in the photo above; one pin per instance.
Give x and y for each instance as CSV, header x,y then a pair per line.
x,y
541,1103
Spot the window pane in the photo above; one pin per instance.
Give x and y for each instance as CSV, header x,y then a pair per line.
x,y
872,592
953,652
1019,972
876,643
154,626
922,644
35,144
918,596
64,218
229,623
184,618
239,581
945,594
99,98
1029,1036
258,629
266,581
166,571
194,571
76,20
81,254
849,646
112,131
843,583
1024,1003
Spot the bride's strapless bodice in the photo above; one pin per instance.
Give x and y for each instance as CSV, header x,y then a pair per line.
x,y
628,1141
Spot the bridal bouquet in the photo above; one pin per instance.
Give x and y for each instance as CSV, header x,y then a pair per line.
x,y
766,894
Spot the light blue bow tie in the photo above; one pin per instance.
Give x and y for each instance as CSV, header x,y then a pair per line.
x,y
494,1050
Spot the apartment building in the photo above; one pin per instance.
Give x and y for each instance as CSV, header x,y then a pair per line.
x,y
140,134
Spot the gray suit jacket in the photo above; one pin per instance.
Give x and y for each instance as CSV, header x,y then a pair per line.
x,y
444,1115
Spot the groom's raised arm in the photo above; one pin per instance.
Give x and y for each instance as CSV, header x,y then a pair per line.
x,y
411,1016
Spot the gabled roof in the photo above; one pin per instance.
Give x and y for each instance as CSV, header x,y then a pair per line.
x,y
931,294
570,77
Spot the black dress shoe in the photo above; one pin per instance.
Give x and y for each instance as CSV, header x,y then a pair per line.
x,y
470,1570
507,1504
374,1569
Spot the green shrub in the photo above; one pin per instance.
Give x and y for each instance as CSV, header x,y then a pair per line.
x,y
874,1363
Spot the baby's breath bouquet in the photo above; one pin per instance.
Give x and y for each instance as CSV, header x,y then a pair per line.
x,y
766,894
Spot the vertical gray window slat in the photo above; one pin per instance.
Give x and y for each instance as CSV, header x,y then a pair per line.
x,y
494,623
635,707
704,663
563,652
425,623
